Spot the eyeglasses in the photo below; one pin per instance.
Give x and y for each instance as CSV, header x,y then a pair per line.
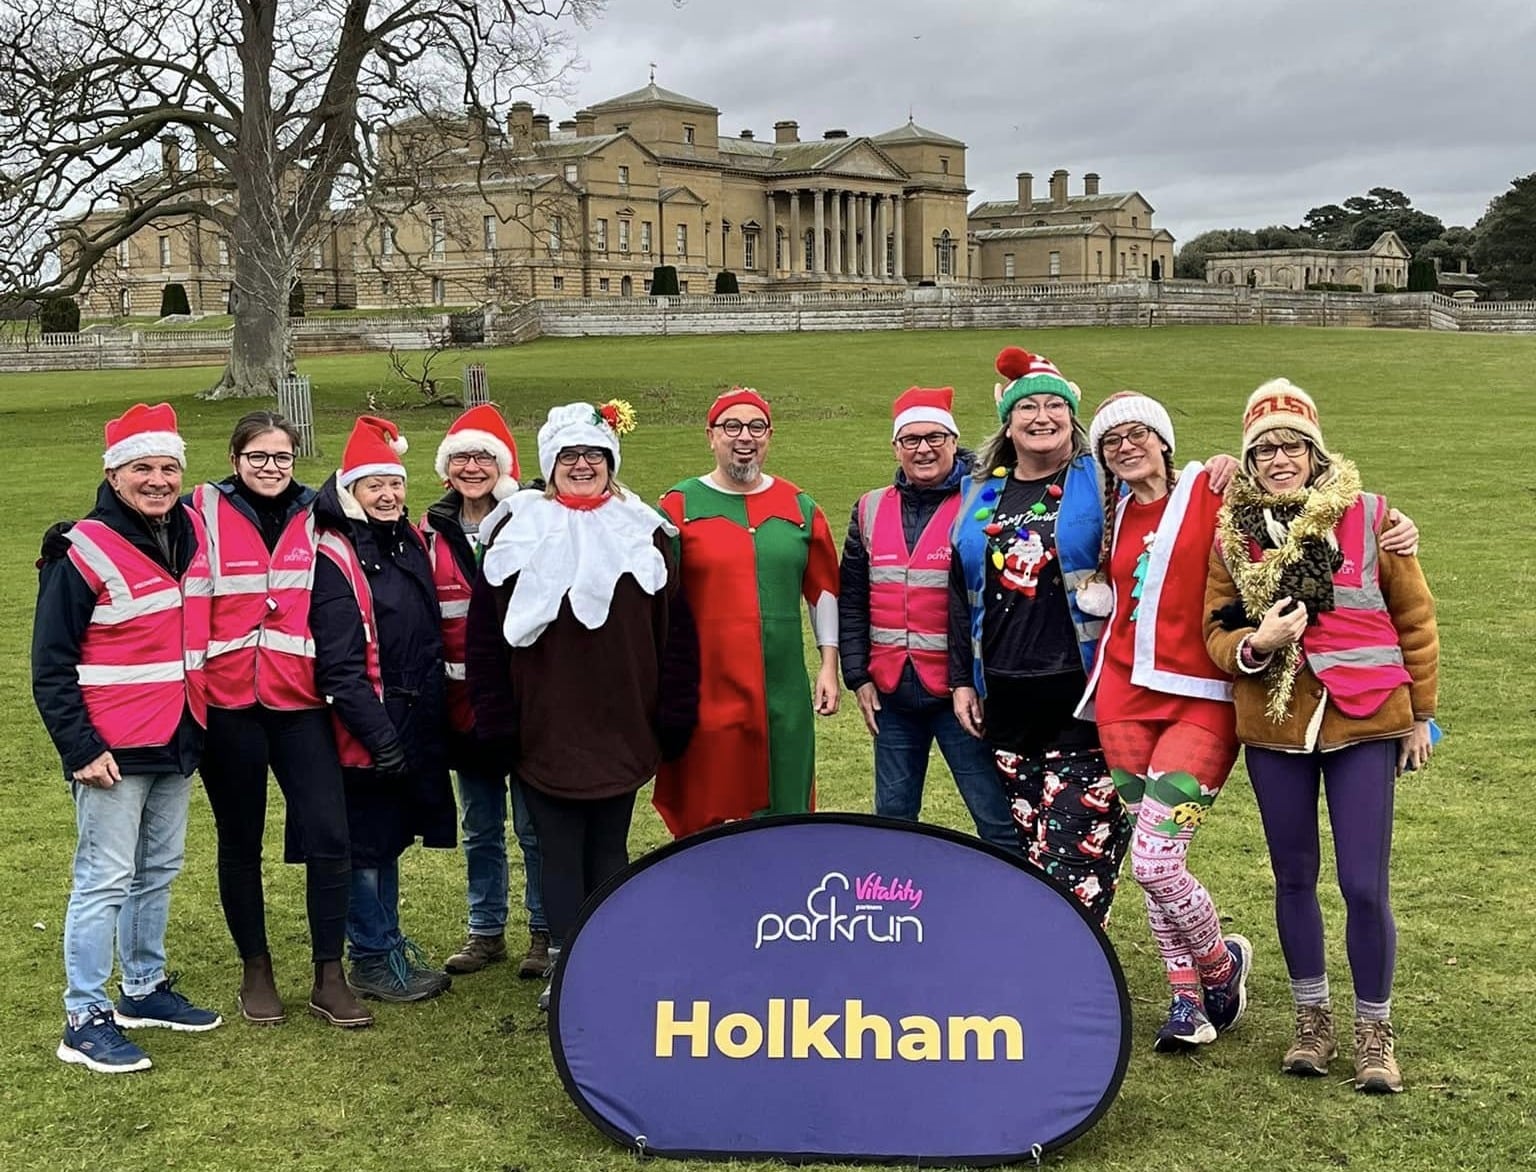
x,y
934,439
282,461
569,456
464,459
1264,453
1029,408
756,428
1137,435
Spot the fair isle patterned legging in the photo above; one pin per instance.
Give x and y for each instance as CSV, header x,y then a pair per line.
x,y
1168,775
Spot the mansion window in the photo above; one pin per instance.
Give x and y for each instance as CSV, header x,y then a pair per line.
x,y
317,257
1133,221
682,288
488,233
1122,264
749,250
602,236
944,248
778,249
386,286
165,252
439,238
125,302
645,237
439,292
624,237
223,251
554,235
623,176
122,252
1098,261
890,256
943,165
557,284
688,134
1055,264
602,284
387,240
1008,269
682,241
571,172
810,249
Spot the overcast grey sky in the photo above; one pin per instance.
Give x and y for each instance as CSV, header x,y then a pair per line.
x,y
1223,113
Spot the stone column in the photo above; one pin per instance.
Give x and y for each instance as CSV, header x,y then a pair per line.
x,y
797,241
835,253
772,236
867,222
850,234
900,230
819,223
883,220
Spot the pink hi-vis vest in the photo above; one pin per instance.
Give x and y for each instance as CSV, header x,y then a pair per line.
x,y
453,605
141,660
1354,649
349,750
259,645
908,592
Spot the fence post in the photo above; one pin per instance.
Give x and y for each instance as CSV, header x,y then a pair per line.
x,y
476,392
296,404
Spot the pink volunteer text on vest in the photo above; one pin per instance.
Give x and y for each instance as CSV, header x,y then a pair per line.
x,y
142,655
350,751
908,592
453,590
260,650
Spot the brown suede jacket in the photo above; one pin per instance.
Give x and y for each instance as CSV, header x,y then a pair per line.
x,y
1413,614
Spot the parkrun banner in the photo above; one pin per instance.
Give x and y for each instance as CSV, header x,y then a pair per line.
x,y
838,987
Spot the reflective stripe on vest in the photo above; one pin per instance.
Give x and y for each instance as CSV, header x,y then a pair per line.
x,y
1354,648
908,592
349,750
453,608
134,695
260,644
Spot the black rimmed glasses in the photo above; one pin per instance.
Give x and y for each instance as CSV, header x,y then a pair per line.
x,y
756,428
282,461
1264,453
569,456
465,459
1137,435
934,439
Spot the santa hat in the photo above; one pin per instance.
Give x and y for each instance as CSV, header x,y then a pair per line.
x,y
373,449
1280,403
143,431
924,405
735,397
576,425
482,429
1030,374
1130,407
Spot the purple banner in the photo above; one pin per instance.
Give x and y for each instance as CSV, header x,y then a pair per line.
x,y
839,987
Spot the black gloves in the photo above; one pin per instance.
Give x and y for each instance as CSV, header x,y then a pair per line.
x,y
55,542
390,761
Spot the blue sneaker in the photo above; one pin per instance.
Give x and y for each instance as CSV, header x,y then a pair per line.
x,y
1225,1005
97,1044
166,1009
1186,1027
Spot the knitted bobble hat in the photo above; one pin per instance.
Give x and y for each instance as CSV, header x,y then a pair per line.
x,y
1030,374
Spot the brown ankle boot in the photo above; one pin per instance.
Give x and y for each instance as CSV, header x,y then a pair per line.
x,y
332,999
258,999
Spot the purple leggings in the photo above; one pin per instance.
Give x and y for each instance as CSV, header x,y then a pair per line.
x,y
1359,783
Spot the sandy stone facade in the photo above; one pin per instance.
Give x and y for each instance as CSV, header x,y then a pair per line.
x,y
1384,263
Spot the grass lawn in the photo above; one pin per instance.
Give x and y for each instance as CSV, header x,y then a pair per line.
x,y
1443,424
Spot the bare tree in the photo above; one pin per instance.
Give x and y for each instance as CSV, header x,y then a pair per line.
x,y
282,102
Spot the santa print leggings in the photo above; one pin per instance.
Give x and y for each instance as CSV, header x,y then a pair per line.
x,y
1359,782
1169,774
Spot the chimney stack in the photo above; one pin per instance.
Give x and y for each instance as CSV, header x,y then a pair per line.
x,y
748,135
786,131
567,126
476,131
586,124
1059,188
1091,183
541,128
1026,190
520,125
835,134
170,154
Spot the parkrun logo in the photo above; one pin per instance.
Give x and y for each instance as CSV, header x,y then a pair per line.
x,y
866,916
787,1030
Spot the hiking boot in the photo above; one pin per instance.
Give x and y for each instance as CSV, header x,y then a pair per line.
x,y
535,962
164,1008
332,999
1225,1004
258,1000
397,975
97,1044
549,989
1186,1027
478,951
1314,1046
1376,1071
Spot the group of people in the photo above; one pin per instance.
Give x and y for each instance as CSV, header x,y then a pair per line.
x,y
1087,632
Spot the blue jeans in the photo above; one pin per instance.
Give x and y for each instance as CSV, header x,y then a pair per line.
x,y
129,845
373,913
483,818
910,720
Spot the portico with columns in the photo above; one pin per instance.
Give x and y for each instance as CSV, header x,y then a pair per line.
x,y
833,234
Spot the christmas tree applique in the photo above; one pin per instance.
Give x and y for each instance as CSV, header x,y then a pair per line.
x,y
1139,574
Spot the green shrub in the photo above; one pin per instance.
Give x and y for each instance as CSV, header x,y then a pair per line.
x,y
725,282
664,281
173,300
58,315
1422,277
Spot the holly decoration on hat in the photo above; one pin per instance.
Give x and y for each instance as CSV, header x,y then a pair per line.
x,y
618,415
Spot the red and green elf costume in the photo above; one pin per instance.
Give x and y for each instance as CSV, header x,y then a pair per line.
x,y
748,559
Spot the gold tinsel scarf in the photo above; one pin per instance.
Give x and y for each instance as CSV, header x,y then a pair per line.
x,y
1321,505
